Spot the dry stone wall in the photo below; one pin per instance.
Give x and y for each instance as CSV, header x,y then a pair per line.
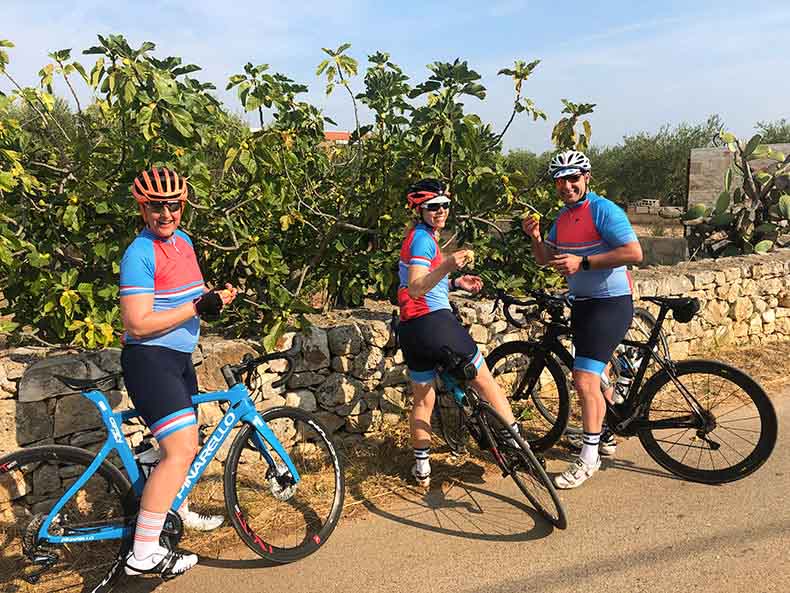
x,y
349,371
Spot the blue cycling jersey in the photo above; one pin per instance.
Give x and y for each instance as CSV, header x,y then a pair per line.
x,y
168,270
591,226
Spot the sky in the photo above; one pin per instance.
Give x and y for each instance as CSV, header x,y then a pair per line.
x,y
644,64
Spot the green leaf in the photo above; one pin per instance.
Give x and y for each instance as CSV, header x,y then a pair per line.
x,y
763,246
728,180
270,340
6,325
248,161
722,203
230,157
696,211
784,206
751,145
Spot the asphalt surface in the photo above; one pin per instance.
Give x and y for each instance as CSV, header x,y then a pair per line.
x,y
632,528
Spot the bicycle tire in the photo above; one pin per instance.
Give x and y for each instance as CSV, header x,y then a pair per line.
x,y
106,498
524,467
739,428
262,510
509,363
452,421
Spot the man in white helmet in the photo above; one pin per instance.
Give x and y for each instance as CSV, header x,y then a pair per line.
x,y
590,243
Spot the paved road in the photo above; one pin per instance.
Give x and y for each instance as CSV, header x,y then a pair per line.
x,y
633,528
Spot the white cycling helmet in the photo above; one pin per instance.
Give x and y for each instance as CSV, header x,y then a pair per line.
x,y
570,162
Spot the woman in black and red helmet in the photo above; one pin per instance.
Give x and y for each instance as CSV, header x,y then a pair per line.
x,y
162,297
427,323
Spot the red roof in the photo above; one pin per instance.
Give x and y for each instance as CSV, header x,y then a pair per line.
x,y
337,136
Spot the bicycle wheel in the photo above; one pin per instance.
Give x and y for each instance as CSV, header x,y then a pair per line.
x,y
452,421
31,482
733,439
277,519
539,397
525,469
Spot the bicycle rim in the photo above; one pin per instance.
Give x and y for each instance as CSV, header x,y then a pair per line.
x,y
452,422
542,412
31,482
277,519
527,472
733,439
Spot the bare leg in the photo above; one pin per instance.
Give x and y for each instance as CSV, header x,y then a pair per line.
x,y
490,391
588,386
178,450
420,416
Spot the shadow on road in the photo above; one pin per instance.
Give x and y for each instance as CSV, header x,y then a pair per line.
x,y
454,506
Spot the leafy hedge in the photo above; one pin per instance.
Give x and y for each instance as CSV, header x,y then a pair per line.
x,y
292,220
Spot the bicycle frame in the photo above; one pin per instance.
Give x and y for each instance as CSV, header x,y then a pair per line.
x,y
240,410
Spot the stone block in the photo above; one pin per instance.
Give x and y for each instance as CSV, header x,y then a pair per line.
x,y
742,309
368,362
308,379
394,401
353,408
217,354
479,333
303,399
337,390
376,333
397,375
468,315
361,423
315,350
345,339
330,421
341,364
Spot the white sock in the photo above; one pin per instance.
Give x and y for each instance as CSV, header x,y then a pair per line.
x,y
146,533
422,457
589,454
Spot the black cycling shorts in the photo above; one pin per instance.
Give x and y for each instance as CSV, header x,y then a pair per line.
x,y
161,382
598,326
423,338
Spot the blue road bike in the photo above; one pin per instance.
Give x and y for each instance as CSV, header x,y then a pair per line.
x,y
67,514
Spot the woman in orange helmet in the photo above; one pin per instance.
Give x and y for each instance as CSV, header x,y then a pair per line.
x,y
162,298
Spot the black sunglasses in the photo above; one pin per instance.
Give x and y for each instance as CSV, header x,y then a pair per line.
x,y
435,207
159,207
571,178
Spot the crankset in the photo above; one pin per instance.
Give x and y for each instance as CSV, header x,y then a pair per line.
x,y
46,559
172,531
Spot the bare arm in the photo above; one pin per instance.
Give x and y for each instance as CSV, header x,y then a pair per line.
x,y
421,280
141,321
630,253
540,251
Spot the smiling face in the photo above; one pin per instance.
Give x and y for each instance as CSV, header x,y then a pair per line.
x,y
435,218
160,220
572,188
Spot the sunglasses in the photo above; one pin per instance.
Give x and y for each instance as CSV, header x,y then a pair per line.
x,y
159,207
571,178
435,207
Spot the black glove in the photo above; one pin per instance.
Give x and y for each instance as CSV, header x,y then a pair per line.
x,y
209,303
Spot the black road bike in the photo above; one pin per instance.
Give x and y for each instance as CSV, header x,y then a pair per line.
x,y
702,420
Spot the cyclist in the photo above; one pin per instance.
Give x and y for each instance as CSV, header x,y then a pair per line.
x,y
427,321
590,243
162,297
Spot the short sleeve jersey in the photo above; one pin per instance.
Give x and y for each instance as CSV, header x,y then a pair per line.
x,y
591,226
421,249
168,270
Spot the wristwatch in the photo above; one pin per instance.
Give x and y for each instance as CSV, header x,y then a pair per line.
x,y
585,263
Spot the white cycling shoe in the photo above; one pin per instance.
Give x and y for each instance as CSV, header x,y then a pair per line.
x,y
199,521
162,562
577,473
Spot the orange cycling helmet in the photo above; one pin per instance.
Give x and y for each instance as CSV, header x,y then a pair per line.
x,y
159,185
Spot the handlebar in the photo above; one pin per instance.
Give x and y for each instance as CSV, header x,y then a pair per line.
x,y
241,372
554,304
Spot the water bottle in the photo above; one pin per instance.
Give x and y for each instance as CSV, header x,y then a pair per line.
x,y
625,377
147,457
